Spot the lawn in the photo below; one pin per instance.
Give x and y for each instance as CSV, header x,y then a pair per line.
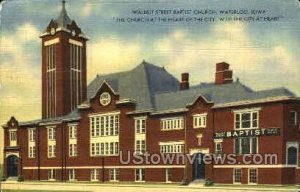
x,y
12,190
1,167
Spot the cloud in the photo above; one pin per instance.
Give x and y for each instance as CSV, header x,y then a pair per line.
x,y
110,55
86,10
20,81
228,42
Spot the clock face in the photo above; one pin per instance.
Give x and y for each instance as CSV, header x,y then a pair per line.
x,y
52,31
105,99
73,33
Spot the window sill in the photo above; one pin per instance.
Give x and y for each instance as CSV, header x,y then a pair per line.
x,y
177,129
246,128
115,181
199,127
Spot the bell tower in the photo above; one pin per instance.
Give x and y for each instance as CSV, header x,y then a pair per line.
x,y
63,66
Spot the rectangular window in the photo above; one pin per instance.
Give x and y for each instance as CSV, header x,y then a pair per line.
x,y
13,135
172,148
140,146
72,176
95,175
31,152
73,150
106,149
51,174
75,75
246,145
51,80
51,151
293,117
139,174
51,133
113,174
199,120
246,120
31,135
172,123
104,125
237,175
168,175
218,148
253,176
140,125
73,132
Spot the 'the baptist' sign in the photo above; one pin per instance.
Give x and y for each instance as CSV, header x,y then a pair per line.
x,y
247,133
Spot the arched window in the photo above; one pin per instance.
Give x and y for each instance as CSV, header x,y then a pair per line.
x,y
292,155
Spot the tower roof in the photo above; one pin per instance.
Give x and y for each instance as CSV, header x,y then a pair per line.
x,y
63,19
64,23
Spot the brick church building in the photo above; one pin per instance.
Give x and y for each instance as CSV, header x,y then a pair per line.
x,y
98,132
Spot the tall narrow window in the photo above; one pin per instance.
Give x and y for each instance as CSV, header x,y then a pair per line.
x,y
218,148
293,117
51,174
140,125
51,142
292,153
168,175
237,175
75,75
113,174
72,176
252,176
13,138
31,143
140,146
95,175
140,175
73,140
51,80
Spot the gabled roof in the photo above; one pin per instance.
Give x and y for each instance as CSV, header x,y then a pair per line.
x,y
139,84
218,94
154,88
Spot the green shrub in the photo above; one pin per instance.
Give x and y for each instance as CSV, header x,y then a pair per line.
x,y
20,178
3,178
208,182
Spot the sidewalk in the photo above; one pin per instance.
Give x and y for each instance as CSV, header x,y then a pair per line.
x,y
124,187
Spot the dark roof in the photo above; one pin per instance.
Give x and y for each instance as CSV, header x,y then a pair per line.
x,y
63,19
140,84
154,88
217,94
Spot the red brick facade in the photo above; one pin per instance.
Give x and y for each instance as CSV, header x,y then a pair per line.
x,y
272,111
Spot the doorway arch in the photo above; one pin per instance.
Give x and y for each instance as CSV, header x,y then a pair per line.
x,y
198,167
12,166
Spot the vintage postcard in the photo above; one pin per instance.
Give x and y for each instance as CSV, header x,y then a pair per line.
x,y
133,93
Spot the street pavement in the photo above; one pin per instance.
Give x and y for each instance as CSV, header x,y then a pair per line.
x,y
90,187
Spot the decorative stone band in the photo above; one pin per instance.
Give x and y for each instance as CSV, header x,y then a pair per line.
x,y
247,133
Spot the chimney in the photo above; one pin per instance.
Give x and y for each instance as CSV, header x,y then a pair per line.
x,y
223,74
184,84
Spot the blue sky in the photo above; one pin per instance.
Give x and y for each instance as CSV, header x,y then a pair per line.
x,y
263,55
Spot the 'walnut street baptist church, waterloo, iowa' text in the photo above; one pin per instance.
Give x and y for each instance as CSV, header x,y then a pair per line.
x,y
134,114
